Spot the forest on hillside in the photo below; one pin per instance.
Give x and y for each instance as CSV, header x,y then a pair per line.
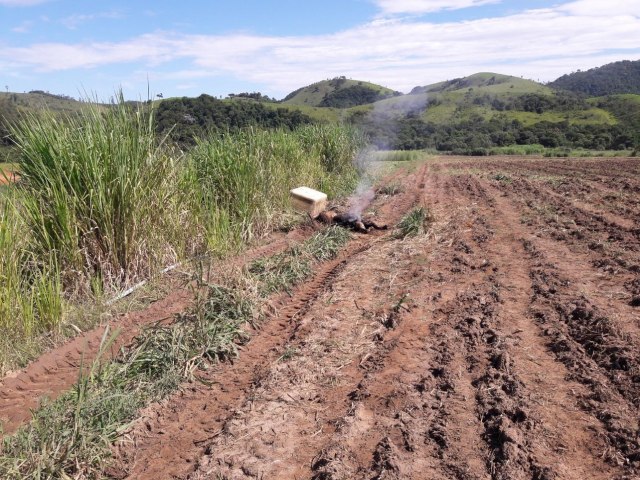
x,y
476,135
185,118
610,79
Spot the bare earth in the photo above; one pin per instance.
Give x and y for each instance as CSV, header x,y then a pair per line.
x,y
504,344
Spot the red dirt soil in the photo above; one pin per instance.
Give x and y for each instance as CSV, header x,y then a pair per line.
x,y
7,177
503,344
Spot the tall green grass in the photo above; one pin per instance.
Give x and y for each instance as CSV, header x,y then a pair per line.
x,y
399,155
243,180
103,202
99,191
30,290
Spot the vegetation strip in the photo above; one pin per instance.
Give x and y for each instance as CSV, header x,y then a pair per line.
x,y
72,435
282,271
104,202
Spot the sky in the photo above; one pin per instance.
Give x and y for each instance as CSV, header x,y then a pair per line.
x,y
147,48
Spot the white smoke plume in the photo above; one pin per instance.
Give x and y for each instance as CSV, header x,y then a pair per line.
x,y
384,118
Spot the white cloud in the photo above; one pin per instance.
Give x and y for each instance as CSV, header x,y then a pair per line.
x,y
73,21
24,27
540,44
602,8
427,6
21,3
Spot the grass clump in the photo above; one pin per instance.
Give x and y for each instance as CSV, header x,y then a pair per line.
x,y
208,334
414,223
99,191
72,436
501,177
30,290
532,149
399,155
391,188
283,270
326,244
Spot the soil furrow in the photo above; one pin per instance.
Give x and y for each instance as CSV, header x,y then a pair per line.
x,y
597,355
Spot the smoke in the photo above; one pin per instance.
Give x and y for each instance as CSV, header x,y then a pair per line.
x,y
388,117
384,124
360,200
363,193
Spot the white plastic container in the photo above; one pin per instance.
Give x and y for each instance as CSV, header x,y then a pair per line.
x,y
309,200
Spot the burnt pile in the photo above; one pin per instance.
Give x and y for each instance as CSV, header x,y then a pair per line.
x,y
351,221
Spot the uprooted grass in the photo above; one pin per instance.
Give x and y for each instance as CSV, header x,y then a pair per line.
x,y
414,223
283,270
71,437
392,188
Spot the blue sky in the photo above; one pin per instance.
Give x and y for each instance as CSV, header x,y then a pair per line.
x,y
219,47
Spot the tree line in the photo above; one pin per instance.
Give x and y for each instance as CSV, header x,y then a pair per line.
x,y
610,79
477,134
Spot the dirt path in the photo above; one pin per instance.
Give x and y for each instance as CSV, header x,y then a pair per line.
x,y
503,344
155,453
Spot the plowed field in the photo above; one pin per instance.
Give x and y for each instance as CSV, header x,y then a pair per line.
x,y
502,344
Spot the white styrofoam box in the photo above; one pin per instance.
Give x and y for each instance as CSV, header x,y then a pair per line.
x,y
309,200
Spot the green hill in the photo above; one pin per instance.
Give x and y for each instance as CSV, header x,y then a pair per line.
x,y
473,113
486,110
339,92
483,95
488,81
613,78
487,94
39,100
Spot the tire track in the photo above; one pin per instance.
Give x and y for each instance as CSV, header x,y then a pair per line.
x,y
56,371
